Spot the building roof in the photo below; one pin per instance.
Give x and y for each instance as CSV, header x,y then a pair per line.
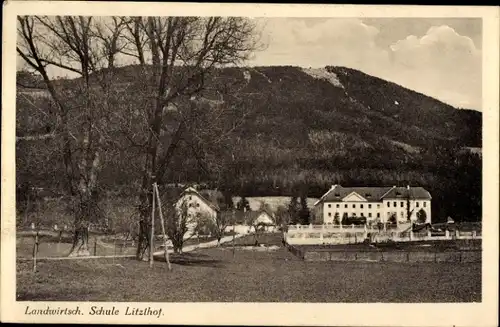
x,y
337,192
403,193
191,190
250,216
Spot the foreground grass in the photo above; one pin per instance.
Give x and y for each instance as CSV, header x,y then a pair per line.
x,y
215,275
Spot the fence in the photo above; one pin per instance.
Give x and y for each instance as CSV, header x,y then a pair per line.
x,y
391,256
338,234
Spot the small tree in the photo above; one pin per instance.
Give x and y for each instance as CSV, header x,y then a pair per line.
x,y
179,222
222,221
344,218
227,201
293,210
421,216
264,206
304,213
392,219
336,219
243,204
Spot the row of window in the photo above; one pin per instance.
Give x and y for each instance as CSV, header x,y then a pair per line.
x,y
362,215
395,204
354,206
402,204
370,214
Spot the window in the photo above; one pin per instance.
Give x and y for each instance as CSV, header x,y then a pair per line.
x,y
378,206
329,206
197,205
402,204
361,206
388,204
370,214
337,194
425,204
345,206
368,195
354,206
338,205
329,214
362,214
417,204
402,214
395,204
354,214
369,206
378,214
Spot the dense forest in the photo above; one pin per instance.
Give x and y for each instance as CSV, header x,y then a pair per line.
x,y
292,131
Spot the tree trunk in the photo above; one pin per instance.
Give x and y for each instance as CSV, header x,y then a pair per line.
x,y
80,246
81,234
143,240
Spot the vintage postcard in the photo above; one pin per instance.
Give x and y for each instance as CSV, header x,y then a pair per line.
x,y
249,164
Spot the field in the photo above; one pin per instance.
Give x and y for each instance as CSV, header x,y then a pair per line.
x,y
248,276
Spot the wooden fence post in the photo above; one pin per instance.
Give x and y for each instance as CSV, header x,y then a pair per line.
x,y
95,246
35,251
167,259
151,237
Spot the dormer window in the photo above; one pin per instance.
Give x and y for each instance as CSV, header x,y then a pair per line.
x,y
337,195
398,194
368,195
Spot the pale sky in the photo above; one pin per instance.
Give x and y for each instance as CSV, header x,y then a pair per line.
x,y
438,57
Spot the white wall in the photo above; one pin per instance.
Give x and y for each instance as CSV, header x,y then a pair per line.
x,y
400,209
195,206
376,209
361,209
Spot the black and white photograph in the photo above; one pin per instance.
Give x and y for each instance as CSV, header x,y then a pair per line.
x,y
187,157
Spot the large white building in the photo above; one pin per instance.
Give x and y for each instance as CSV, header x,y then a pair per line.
x,y
374,203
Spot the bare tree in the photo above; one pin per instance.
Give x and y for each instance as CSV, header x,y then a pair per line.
x,y
136,39
180,222
183,51
110,30
71,44
222,220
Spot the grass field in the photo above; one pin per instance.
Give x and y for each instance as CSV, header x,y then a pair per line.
x,y
215,275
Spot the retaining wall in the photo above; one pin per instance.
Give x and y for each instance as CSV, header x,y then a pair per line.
x,y
389,256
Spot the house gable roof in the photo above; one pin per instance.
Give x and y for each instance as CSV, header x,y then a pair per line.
x,y
402,193
337,193
192,191
354,196
251,216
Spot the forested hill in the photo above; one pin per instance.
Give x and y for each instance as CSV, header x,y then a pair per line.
x,y
310,128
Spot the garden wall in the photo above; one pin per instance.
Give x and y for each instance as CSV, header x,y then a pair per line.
x,y
463,256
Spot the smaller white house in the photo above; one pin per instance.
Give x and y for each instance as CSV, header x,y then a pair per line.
x,y
260,218
197,207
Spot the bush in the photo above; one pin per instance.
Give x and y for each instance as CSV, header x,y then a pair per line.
x,y
354,221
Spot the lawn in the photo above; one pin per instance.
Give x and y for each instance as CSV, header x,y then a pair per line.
x,y
275,276
49,246
267,239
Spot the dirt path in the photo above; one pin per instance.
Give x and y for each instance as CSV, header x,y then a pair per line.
x,y
205,245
